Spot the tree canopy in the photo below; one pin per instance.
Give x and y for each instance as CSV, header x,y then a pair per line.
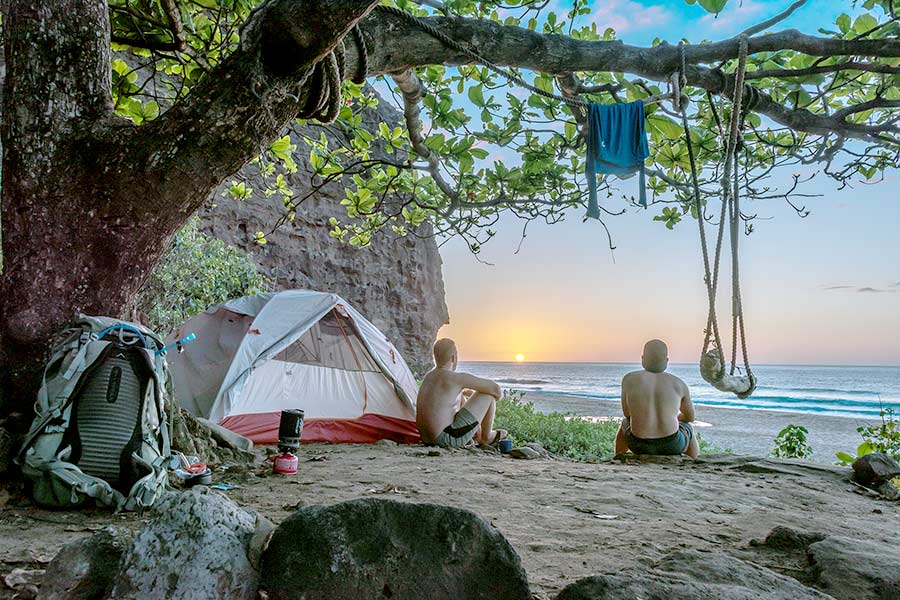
x,y
475,145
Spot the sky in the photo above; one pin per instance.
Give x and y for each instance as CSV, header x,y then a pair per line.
x,y
819,290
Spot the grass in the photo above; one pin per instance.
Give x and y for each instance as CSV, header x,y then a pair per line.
x,y
560,434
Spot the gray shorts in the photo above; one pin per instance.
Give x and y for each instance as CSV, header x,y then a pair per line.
x,y
674,444
460,432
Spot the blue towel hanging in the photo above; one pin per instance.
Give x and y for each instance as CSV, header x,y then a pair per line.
x,y
617,145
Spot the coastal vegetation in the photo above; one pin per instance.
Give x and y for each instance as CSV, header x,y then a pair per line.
x,y
196,272
883,437
791,443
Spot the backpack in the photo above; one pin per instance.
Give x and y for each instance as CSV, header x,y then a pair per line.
x,y
101,430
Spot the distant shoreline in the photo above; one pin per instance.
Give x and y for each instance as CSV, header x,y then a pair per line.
x,y
741,430
682,364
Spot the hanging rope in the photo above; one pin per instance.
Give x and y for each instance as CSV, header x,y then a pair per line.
x,y
324,102
712,360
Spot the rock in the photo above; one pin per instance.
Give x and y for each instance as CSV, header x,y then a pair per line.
x,y
889,491
87,568
539,449
7,451
195,546
23,581
395,281
871,470
386,443
692,575
192,437
785,538
850,569
525,452
374,548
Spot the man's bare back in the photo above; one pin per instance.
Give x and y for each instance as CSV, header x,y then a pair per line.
x,y
657,408
444,418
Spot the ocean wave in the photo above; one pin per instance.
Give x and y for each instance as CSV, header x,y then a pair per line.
x,y
811,390
523,381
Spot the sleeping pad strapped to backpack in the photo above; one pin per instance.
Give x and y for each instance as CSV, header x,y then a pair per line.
x,y
101,430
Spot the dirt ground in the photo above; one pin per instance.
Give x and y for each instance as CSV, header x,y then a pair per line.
x,y
566,520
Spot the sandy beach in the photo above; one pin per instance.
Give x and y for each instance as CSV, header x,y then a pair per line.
x,y
742,431
566,519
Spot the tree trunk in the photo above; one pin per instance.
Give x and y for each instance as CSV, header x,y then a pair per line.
x,y
89,200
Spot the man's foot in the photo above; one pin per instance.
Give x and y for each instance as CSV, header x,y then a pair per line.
x,y
499,435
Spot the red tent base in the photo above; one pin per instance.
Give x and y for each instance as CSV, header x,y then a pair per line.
x,y
262,428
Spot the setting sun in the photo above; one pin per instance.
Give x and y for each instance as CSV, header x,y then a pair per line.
x,y
520,358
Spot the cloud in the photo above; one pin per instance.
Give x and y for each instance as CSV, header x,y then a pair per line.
x,y
629,15
865,289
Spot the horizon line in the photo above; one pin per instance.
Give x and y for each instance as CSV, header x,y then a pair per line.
x,y
622,362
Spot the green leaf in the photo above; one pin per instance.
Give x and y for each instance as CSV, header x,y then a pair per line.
x,y
476,95
843,22
713,6
845,458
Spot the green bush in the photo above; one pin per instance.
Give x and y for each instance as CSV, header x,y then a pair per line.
x,y
196,272
561,434
791,443
884,438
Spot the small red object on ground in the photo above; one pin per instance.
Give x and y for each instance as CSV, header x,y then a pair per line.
x,y
196,468
285,464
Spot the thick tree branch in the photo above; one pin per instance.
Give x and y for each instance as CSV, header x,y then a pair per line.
x,y
849,65
403,46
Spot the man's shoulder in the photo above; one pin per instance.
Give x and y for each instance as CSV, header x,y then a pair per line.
x,y
675,379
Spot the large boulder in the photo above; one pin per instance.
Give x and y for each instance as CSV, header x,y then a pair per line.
x,y
692,575
851,569
375,549
87,568
872,470
196,546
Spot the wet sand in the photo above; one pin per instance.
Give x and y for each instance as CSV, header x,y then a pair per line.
x,y
742,431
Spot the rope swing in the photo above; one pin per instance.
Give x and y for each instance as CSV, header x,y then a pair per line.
x,y
712,358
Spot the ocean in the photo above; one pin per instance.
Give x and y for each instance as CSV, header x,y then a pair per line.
x,y
853,392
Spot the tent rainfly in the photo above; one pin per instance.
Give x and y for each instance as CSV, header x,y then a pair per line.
x,y
257,355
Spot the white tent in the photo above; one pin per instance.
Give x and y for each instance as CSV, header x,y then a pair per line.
x,y
257,355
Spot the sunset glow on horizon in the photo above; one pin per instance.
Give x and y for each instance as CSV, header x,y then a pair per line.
x,y
520,358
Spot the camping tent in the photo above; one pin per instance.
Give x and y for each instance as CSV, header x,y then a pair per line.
x,y
257,355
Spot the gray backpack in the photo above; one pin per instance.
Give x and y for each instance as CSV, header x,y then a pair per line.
x,y
101,430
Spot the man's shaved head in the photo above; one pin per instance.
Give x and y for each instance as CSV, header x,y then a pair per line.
x,y
656,356
444,352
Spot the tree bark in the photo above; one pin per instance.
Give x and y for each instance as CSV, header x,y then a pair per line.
x,y
89,200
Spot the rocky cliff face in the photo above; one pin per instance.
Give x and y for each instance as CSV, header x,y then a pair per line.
x,y
395,282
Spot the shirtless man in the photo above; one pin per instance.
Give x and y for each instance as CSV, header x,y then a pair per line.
x,y
442,389
657,407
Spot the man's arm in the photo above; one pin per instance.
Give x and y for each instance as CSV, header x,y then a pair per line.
x,y
479,384
687,407
625,410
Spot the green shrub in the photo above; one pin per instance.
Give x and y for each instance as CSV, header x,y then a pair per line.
x,y
196,272
791,443
561,434
883,438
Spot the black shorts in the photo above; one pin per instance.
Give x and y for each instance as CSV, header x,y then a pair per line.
x,y
674,444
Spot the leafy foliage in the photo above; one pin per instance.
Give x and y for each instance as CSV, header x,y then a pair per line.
x,y
884,438
512,152
196,272
791,443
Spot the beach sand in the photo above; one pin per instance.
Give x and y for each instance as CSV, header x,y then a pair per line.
x,y
566,519
742,431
